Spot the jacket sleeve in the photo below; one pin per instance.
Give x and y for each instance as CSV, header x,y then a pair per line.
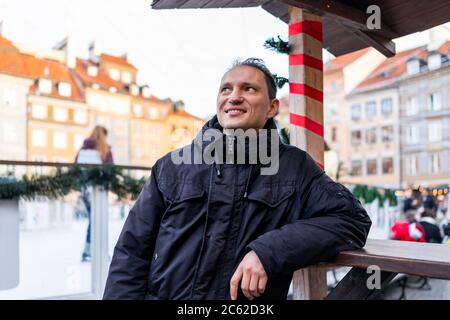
x,y
129,269
330,220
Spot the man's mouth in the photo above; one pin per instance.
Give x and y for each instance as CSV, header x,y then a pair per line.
x,y
235,111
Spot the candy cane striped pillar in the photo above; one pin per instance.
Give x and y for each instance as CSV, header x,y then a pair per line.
x,y
306,118
306,82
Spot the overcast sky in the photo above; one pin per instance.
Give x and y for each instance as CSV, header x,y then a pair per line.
x,y
181,54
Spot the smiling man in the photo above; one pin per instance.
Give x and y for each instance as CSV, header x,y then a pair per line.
x,y
225,230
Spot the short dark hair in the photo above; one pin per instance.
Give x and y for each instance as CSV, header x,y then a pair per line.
x,y
261,66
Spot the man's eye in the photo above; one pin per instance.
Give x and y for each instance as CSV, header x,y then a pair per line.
x,y
251,89
225,89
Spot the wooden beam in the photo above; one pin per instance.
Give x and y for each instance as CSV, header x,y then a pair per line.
x,y
310,284
306,82
383,45
354,285
346,14
306,117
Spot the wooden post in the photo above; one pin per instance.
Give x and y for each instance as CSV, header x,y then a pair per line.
x,y
306,117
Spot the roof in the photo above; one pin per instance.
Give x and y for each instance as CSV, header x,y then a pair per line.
x,y
6,44
391,69
345,21
25,65
115,59
183,113
102,79
344,60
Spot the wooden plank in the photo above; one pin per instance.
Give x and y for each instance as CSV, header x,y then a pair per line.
x,y
354,286
422,259
349,15
167,4
276,8
304,103
194,4
310,284
383,45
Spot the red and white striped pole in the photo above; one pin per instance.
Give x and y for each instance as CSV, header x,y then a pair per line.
x,y
306,83
306,118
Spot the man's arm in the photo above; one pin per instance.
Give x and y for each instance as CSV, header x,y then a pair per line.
x,y
332,220
130,265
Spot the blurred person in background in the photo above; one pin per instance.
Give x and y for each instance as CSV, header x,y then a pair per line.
x,y
429,201
408,229
430,226
95,150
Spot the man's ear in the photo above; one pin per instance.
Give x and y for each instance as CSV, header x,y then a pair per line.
x,y
273,109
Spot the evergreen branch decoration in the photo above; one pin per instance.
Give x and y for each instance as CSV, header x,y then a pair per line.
x,y
370,194
280,81
75,178
279,45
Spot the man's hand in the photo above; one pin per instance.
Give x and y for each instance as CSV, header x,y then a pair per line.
x,y
253,276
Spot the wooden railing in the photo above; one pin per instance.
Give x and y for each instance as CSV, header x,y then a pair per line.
x,y
388,256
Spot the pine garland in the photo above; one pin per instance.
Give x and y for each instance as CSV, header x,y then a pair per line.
x,y
370,194
279,45
74,179
280,81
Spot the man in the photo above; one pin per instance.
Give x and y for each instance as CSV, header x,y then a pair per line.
x,y
221,230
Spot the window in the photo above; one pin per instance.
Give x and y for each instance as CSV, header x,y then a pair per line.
x,y
60,114
45,86
38,138
137,109
371,136
78,141
153,113
412,134
146,91
372,167
60,140
387,133
334,134
412,106
333,108
434,61
356,168
434,163
80,116
356,137
134,89
371,109
126,77
39,111
92,71
434,102
114,74
435,131
388,165
412,164
386,107
355,112
413,66
64,89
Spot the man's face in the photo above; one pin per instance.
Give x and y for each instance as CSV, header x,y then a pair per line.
x,y
243,100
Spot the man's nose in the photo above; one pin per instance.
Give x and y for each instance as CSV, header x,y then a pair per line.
x,y
235,97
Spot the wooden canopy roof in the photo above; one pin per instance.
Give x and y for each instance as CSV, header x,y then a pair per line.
x,y
344,21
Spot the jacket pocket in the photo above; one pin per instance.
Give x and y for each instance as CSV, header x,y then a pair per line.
x,y
271,197
174,256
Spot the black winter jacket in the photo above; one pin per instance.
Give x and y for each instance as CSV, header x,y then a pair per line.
x,y
193,223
